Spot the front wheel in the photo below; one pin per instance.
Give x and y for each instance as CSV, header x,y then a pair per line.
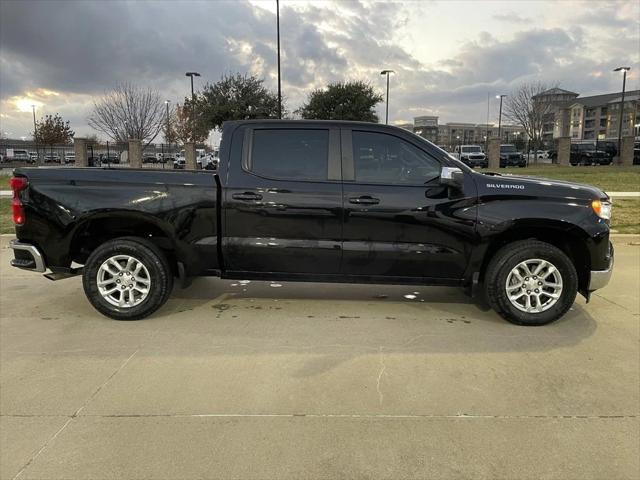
x,y
531,283
127,278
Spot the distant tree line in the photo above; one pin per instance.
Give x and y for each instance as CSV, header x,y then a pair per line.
x,y
129,111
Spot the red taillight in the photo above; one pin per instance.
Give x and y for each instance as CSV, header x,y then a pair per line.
x,y
18,211
17,184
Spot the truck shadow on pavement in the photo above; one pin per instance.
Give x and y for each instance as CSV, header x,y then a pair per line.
x,y
340,321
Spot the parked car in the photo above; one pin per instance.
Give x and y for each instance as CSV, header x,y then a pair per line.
x,y
21,156
586,154
164,157
541,154
149,158
180,163
69,157
636,153
511,157
326,201
471,155
609,147
52,158
111,158
33,156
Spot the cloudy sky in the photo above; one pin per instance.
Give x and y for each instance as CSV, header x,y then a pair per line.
x,y
448,55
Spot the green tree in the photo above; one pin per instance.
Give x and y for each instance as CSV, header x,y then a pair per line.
x,y
53,130
342,101
235,97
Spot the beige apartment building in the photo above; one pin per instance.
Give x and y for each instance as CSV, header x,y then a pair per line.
x,y
594,117
450,134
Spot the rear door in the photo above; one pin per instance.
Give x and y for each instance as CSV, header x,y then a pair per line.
x,y
283,200
398,220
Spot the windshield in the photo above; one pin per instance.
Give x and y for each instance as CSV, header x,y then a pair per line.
x,y
473,149
507,149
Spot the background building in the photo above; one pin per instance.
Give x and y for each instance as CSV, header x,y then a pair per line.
x,y
588,118
450,134
597,117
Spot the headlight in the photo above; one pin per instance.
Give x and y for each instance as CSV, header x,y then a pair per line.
x,y
602,209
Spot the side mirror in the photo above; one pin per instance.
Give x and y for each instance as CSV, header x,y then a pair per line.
x,y
451,177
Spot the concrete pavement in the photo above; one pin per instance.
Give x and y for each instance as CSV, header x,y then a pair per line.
x,y
260,380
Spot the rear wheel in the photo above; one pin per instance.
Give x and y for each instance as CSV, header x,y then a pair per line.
x,y
531,283
127,278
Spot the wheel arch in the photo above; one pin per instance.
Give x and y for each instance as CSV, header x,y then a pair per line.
x,y
101,227
567,237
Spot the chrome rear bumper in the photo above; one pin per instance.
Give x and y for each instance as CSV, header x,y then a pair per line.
x,y
600,278
34,264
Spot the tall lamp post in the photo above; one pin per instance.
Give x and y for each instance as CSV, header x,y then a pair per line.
x,y
193,103
166,135
624,71
386,117
500,118
278,35
35,132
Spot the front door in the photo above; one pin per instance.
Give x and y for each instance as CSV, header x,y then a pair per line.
x,y
283,201
398,220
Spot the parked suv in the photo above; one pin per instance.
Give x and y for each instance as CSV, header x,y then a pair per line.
x,y
471,155
510,157
586,154
21,156
609,147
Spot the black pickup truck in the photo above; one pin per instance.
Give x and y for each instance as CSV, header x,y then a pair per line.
x,y
315,201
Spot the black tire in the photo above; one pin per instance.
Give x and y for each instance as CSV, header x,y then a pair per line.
x,y
511,255
160,276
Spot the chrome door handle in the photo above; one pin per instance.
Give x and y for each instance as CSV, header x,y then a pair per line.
x,y
364,200
248,196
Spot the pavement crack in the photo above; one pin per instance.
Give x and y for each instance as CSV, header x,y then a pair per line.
x,y
46,444
100,387
383,367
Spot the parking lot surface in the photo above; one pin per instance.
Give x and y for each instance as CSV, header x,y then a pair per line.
x,y
259,380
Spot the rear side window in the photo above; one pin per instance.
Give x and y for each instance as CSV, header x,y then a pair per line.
x,y
382,158
292,154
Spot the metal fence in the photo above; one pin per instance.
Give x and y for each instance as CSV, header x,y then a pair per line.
x,y
25,153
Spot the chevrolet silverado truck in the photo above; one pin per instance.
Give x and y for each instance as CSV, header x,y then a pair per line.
x,y
319,201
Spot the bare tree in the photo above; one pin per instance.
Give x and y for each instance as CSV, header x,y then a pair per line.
x,y
524,108
128,112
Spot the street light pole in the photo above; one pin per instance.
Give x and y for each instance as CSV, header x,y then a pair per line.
x,y
166,102
278,35
500,118
624,71
35,132
386,117
193,103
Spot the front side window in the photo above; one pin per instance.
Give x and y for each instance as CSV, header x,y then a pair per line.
x,y
292,154
382,158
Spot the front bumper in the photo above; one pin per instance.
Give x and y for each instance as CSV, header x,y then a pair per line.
x,y
27,257
600,278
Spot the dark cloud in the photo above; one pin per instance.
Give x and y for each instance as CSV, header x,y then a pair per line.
x,y
85,47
